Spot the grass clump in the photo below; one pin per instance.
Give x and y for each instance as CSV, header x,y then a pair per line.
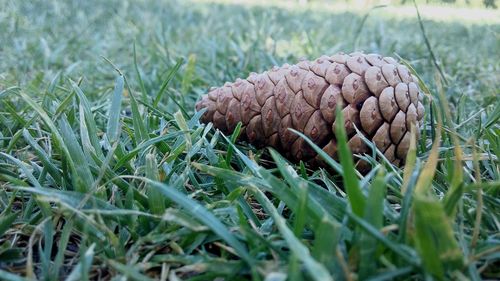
x,y
105,171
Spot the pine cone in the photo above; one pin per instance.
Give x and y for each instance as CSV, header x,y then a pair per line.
x,y
377,94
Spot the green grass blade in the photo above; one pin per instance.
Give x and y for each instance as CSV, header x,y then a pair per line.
x,y
187,78
164,86
392,274
88,125
113,128
181,122
456,188
6,221
62,245
143,147
70,198
129,271
44,157
433,233
374,214
411,158
64,105
53,129
425,179
327,237
203,215
156,200
139,77
332,163
316,198
315,269
83,267
236,133
434,237
402,251
83,178
140,131
7,276
351,184
24,168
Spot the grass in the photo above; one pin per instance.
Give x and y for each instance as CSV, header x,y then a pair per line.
x,y
106,173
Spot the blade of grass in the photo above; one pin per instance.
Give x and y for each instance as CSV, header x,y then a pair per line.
x,y
83,267
187,78
327,236
58,140
164,86
234,136
315,269
433,232
62,246
393,274
129,271
428,45
181,122
113,127
6,220
425,179
411,158
404,252
83,178
374,214
356,198
142,147
46,252
456,188
140,131
202,214
332,163
139,77
90,128
298,227
434,237
156,200
44,158
7,276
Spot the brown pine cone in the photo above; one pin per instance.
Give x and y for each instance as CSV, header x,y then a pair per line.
x,y
376,93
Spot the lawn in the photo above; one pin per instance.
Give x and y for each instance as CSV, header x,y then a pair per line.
x,y
107,174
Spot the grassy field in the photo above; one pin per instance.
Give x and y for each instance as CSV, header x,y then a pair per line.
x,y
106,173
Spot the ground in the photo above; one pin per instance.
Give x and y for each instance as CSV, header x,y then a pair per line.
x,y
105,171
